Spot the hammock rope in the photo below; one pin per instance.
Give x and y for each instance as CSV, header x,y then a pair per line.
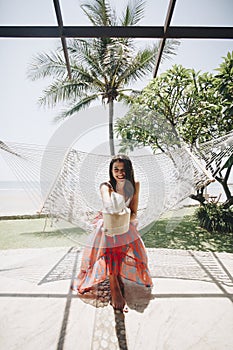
x,y
70,191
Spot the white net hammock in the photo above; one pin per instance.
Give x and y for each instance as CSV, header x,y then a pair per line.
x,y
65,183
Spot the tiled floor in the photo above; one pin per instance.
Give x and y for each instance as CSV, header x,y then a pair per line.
x,y
190,306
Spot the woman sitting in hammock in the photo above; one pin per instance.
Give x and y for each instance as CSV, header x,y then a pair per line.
x,y
115,250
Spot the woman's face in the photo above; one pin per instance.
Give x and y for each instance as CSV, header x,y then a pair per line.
x,y
118,171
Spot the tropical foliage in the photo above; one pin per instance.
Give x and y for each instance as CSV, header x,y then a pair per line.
x,y
224,80
184,105
101,68
215,218
180,104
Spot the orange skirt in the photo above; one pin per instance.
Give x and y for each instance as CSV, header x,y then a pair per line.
x,y
123,255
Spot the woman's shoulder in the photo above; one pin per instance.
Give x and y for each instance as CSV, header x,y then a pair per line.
x,y
106,184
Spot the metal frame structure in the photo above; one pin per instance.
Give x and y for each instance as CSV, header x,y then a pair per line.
x,y
116,32
159,32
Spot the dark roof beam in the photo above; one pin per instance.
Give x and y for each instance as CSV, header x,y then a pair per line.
x,y
163,40
63,39
116,32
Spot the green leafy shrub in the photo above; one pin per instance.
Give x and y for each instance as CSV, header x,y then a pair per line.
x,y
214,218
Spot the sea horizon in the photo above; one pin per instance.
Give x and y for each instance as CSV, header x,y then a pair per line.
x,y
24,198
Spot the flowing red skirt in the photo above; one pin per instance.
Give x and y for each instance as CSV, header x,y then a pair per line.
x,y
123,255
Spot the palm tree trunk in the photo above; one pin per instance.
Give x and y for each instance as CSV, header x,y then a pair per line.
x,y
110,126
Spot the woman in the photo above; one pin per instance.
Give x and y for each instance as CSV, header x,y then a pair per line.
x,y
119,255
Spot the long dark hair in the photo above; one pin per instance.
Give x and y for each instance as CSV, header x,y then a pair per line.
x,y
129,187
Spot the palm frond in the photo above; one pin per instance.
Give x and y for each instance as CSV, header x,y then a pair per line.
x,y
100,67
77,47
61,90
116,59
82,104
87,56
101,46
170,48
133,13
99,13
126,99
81,73
143,62
47,64
140,65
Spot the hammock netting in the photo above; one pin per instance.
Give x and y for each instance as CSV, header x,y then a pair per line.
x,y
65,183
215,153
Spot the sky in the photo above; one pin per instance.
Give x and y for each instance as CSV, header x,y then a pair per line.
x,y
22,120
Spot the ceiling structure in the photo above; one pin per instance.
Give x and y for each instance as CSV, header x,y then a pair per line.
x,y
159,32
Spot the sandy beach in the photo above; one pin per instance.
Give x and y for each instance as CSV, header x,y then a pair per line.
x,y
18,201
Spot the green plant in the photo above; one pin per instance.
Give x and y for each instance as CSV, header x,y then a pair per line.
x,y
102,69
215,218
179,104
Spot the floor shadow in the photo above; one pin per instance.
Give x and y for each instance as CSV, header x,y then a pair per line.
x,y
56,232
137,296
99,296
163,263
188,265
210,272
63,269
62,335
206,266
120,330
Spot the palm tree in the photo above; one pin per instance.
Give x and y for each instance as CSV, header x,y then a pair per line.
x,y
101,68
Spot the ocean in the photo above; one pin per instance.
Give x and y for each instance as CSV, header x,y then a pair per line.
x,y
22,198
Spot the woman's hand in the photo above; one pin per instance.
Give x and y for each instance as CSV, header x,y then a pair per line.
x,y
134,222
133,219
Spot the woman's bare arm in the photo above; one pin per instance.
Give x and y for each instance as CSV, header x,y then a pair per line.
x,y
134,202
105,192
